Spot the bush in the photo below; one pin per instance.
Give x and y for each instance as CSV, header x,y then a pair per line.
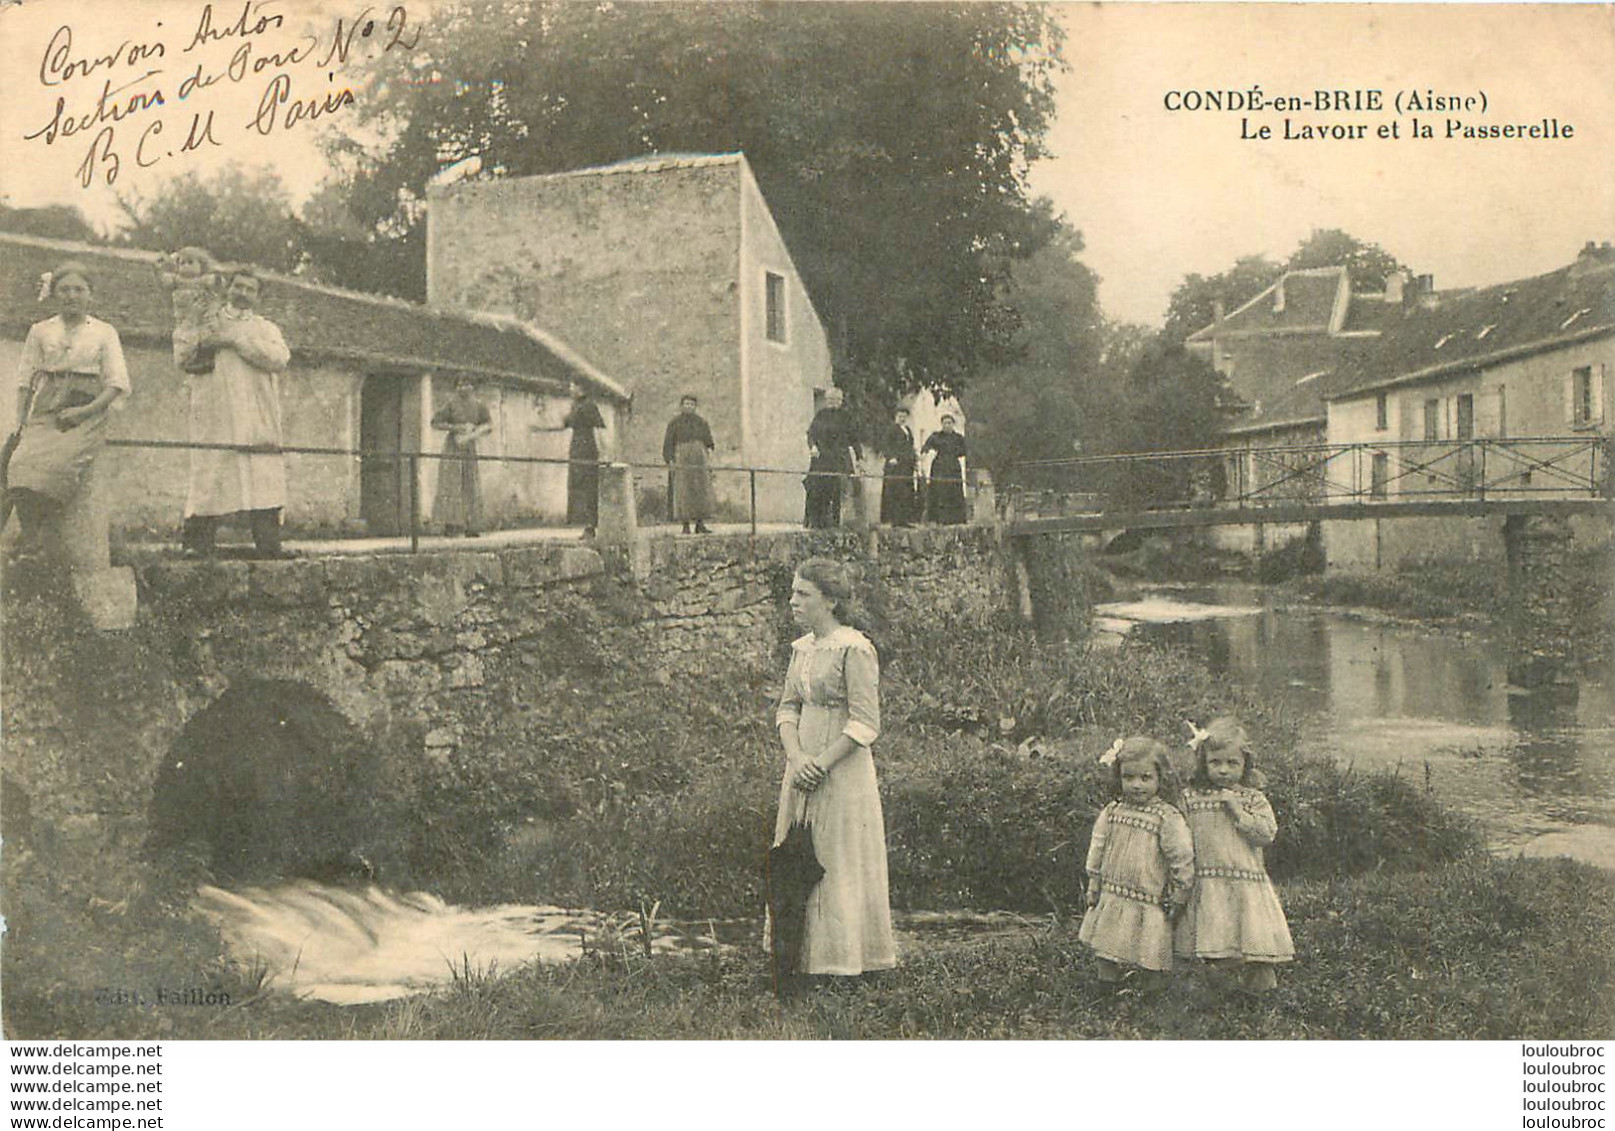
x,y
987,777
1299,557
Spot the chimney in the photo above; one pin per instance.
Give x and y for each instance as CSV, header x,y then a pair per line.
x,y
1219,311
1592,255
1278,295
1427,292
1394,282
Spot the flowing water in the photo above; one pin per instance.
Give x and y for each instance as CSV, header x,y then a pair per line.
x,y
1537,768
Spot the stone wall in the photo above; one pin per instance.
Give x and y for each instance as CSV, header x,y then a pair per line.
x,y
429,655
638,271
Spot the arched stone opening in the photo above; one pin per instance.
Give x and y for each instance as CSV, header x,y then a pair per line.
x,y
271,781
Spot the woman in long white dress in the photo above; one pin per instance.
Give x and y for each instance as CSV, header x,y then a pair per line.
x,y
828,717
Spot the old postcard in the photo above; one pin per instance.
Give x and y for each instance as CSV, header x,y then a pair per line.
x,y
889,521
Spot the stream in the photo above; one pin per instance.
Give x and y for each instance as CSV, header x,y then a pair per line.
x,y
1535,768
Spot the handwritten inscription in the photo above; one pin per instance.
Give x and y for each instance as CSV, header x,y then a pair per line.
x,y
155,97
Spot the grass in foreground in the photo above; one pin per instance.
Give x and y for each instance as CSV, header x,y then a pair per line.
x,y
1480,949
1483,949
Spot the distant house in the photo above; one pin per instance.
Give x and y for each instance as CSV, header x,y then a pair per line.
x,y
671,274
1522,359
1280,356
365,373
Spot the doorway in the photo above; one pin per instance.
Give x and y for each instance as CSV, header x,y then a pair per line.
x,y
389,425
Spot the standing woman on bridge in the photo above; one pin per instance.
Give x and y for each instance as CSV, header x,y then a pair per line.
x,y
72,371
945,495
828,716
459,480
583,466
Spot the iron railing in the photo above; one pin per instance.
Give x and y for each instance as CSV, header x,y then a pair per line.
x,y
1252,476
410,461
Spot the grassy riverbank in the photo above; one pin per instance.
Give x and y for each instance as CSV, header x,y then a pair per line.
x,y
636,791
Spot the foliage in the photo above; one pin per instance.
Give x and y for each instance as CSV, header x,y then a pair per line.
x,y
1193,303
891,142
987,778
1447,588
1298,557
1478,950
1369,264
240,216
1175,403
52,222
1051,400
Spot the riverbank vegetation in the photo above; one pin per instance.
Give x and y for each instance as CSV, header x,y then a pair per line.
x,y
636,792
1451,589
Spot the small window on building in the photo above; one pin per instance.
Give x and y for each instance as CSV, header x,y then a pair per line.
x,y
1583,407
1379,476
774,305
1382,412
1432,419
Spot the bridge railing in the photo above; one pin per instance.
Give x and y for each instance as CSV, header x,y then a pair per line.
x,y
742,491
1256,476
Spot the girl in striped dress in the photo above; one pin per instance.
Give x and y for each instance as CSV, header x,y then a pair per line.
x,y
1140,866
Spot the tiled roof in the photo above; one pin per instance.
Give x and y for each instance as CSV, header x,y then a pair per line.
x,y
320,323
1300,301
1491,326
1293,392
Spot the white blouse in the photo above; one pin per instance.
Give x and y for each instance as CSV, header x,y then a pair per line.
x,y
92,347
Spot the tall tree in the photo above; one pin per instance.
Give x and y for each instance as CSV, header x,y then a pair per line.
x,y
1194,303
1049,402
1370,264
891,140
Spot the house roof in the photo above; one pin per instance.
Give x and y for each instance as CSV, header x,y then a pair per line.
x,y
1291,393
649,163
1491,326
320,323
1299,302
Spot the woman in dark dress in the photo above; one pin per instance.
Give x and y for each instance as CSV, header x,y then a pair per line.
x,y
898,505
583,468
945,497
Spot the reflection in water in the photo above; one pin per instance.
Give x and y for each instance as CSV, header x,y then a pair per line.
x,y
1528,764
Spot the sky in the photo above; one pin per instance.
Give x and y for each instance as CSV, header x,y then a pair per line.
x,y
1157,193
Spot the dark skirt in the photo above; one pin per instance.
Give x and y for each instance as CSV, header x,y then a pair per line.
x,y
898,502
459,489
583,494
946,496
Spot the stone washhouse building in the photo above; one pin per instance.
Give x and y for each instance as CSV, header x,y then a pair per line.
x,y
366,373
669,273
1528,358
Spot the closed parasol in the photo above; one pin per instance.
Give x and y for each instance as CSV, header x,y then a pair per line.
x,y
791,871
